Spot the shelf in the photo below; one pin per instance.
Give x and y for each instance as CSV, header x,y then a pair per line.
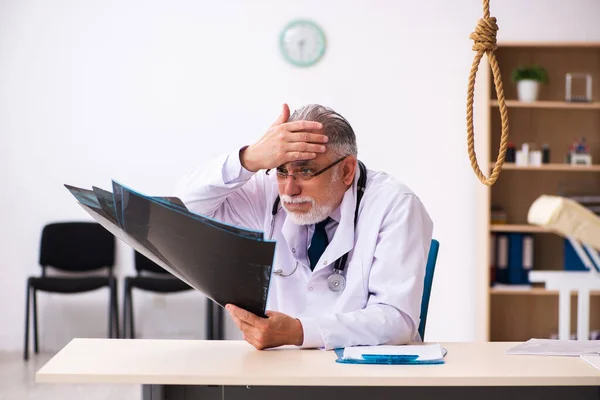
x,y
549,167
517,228
536,291
549,104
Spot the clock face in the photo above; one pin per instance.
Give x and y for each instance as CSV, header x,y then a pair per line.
x,y
302,43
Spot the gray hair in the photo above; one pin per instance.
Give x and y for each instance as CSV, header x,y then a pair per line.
x,y
341,135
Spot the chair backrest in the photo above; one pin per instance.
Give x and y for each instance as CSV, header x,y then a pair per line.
x,y
76,247
143,263
429,269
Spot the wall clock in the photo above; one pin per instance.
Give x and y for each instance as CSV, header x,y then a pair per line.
x,y
302,43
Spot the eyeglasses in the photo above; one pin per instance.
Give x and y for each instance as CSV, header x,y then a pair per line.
x,y
305,173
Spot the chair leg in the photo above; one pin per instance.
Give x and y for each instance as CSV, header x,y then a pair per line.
x,y
126,327
35,322
110,308
214,321
125,305
210,330
130,311
26,346
220,324
116,309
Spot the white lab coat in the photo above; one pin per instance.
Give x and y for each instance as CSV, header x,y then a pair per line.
x,y
386,264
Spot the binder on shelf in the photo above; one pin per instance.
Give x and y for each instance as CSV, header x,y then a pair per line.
x,y
520,260
571,261
502,258
528,257
493,240
581,257
515,258
512,257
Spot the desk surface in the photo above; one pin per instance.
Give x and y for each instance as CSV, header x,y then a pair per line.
x,y
191,362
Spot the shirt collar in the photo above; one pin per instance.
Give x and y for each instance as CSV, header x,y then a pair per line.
x,y
336,214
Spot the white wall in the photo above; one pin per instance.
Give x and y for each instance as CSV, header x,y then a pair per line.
x,y
141,91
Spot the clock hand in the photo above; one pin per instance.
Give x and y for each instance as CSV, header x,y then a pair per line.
x,y
301,45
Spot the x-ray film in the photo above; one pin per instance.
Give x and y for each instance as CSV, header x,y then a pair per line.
x,y
228,264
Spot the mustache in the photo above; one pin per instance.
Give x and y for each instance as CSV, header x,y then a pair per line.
x,y
296,199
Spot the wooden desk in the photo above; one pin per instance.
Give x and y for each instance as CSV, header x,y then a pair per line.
x,y
189,369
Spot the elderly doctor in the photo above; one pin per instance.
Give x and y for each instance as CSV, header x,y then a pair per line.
x,y
300,184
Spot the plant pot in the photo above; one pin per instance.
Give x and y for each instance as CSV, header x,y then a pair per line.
x,y
527,90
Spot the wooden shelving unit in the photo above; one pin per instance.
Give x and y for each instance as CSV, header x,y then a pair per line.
x,y
519,313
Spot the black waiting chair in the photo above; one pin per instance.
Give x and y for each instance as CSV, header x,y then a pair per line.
x,y
152,278
75,248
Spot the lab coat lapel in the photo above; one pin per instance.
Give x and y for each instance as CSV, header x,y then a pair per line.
x,y
343,239
292,233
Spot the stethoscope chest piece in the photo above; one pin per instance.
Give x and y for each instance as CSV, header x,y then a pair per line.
x,y
336,282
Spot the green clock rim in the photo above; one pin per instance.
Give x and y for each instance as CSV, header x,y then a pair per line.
x,y
305,22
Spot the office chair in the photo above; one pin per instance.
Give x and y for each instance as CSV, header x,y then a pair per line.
x,y
76,248
429,269
161,282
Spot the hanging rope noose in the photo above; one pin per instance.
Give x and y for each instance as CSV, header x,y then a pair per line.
x,y
484,39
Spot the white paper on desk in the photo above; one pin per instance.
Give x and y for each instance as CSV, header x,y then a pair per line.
x,y
553,347
592,359
425,352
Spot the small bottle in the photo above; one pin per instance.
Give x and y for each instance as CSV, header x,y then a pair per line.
x,y
510,153
545,154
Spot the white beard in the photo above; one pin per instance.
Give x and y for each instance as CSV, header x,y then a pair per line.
x,y
317,213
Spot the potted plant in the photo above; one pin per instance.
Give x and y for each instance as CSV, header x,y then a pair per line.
x,y
528,80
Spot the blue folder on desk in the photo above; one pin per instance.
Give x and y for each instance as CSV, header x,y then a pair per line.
x,y
392,355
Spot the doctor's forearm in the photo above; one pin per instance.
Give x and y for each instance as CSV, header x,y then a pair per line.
x,y
248,159
377,324
206,189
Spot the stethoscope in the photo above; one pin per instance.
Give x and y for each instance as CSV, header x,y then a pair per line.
x,y
336,281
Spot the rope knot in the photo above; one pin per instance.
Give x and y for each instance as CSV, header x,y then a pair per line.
x,y
485,35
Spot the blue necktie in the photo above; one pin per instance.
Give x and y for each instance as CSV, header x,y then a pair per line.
x,y
318,243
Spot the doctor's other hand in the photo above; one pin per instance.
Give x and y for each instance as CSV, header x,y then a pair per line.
x,y
276,330
284,142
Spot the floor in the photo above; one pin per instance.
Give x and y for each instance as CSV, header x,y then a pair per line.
x,y
17,381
